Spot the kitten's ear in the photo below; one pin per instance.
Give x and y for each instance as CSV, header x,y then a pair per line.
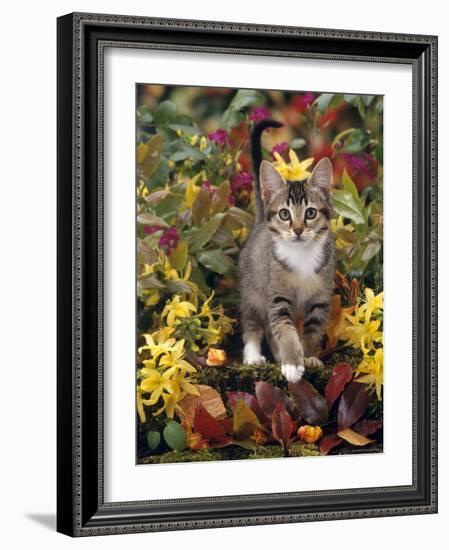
x,y
322,176
270,180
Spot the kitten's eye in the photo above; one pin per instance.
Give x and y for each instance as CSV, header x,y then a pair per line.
x,y
284,214
310,213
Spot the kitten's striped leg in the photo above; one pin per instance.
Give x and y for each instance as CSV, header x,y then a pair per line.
x,y
252,339
314,327
286,338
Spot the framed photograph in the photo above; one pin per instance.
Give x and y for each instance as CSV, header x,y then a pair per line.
x,y
247,278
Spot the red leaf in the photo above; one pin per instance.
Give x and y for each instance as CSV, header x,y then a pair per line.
x,y
311,404
329,442
353,404
207,426
268,396
249,399
367,427
340,376
282,425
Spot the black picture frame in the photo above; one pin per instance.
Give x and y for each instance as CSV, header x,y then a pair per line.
x,y
81,509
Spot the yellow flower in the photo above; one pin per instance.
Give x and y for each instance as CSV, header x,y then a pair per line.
x,y
295,170
175,358
175,308
151,297
160,342
371,304
337,226
363,335
156,383
203,143
140,409
371,371
192,190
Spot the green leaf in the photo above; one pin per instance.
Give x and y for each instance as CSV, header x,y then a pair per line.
x,y
153,440
215,260
231,119
144,115
151,283
322,101
346,206
237,218
165,113
152,158
298,143
246,98
349,185
160,176
175,436
182,151
200,207
178,256
220,198
372,248
185,129
150,219
178,286
205,233
168,207
356,141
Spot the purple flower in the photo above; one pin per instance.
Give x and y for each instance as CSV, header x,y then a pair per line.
x,y
280,148
150,229
362,164
259,113
169,240
220,136
242,181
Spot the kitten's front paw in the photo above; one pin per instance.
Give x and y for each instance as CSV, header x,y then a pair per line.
x,y
312,363
293,373
253,359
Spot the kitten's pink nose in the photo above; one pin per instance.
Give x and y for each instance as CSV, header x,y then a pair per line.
x,y
298,231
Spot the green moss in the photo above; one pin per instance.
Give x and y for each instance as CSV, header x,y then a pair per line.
x,y
239,377
232,452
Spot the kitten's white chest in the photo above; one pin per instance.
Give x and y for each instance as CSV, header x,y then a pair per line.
x,y
303,259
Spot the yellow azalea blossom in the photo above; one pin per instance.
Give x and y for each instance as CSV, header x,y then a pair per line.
x,y
294,170
169,405
205,308
156,383
177,308
140,409
176,359
192,189
371,303
160,342
371,371
363,335
151,297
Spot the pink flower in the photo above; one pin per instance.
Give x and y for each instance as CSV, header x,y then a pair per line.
x,y
169,240
280,148
302,102
220,136
242,181
259,113
362,164
150,229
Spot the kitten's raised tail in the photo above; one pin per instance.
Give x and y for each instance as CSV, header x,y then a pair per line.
x,y
256,153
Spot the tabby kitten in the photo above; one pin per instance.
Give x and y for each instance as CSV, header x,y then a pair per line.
x,y
287,266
